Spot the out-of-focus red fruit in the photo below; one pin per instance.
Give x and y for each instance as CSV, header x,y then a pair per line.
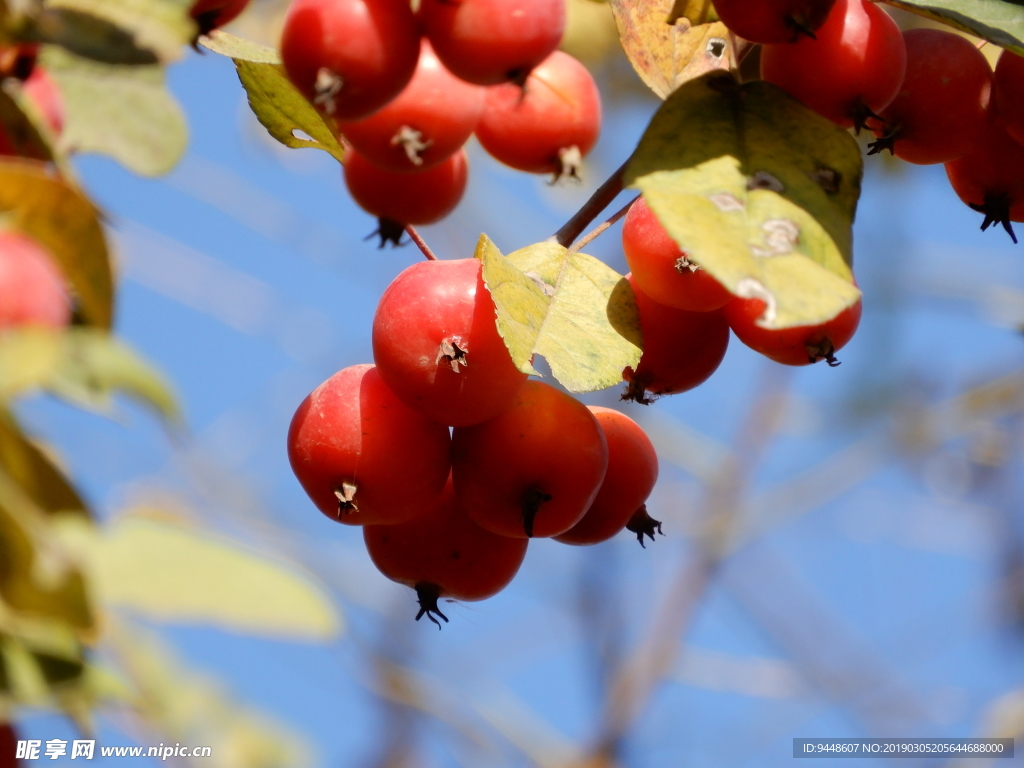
x,y
350,57
773,21
1008,93
213,14
32,289
493,41
44,93
364,457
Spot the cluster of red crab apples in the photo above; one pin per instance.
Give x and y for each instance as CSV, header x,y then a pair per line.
x,y
928,95
407,89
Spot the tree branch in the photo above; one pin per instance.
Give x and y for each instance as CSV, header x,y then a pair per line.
x,y
591,209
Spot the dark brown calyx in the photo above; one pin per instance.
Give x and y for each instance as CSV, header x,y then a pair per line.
x,y
887,141
823,350
346,496
389,231
997,211
636,389
860,114
799,27
642,524
207,22
427,594
453,352
532,501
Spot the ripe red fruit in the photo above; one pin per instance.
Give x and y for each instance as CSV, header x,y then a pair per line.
x,y
8,746
632,472
532,470
801,345
362,456
681,349
398,199
442,553
43,92
773,21
850,71
1008,93
436,344
422,126
939,113
350,57
32,289
991,178
548,125
662,270
493,41
213,14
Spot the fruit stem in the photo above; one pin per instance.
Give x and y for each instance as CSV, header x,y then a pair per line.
x,y
592,235
420,242
591,209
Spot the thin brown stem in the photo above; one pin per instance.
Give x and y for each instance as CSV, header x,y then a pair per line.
x,y
591,209
592,235
420,242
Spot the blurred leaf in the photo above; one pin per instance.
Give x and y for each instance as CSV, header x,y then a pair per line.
x,y
170,572
694,11
239,48
124,112
162,26
571,308
24,680
83,365
997,21
758,190
65,222
86,35
667,54
37,476
19,133
282,110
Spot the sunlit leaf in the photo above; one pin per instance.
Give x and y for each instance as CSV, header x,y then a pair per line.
x,y
667,53
67,224
283,111
997,21
572,309
759,191
694,11
83,365
170,572
162,26
124,112
239,48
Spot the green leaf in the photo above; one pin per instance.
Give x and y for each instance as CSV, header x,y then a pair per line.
x,y
997,21
239,48
124,112
574,310
664,47
162,26
85,35
83,365
64,221
34,472
282,110
758,190
171,572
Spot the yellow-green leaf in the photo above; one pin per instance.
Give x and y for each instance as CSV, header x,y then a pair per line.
x,y
235,47
83,365
665,48
572,309
64,221
997,21
171,572
162,26
120,111
34,472
759,191
694,11
282,110
86,35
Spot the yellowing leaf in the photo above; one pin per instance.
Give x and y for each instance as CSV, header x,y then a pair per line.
x,y
282,110
121,111
67,224
694,11
237,48
569,307
759,191
162,26
83,365
665,48
997,21
170,572
88,35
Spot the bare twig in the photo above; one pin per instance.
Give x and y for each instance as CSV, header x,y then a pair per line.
x,y
592,235
591,209
420,242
